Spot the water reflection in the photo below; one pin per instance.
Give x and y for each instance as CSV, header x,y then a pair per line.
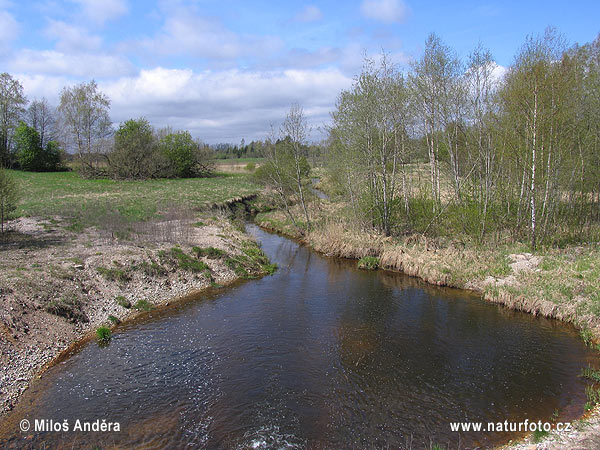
x,y
319,355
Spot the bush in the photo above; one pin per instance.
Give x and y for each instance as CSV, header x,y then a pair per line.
x,y
250,167
185,157
135,154
30,154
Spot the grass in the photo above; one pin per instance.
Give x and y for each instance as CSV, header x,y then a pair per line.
x,y
69,307
591,374
117,274
538,435
143,305
90,202
208,252
368,263
103,335
593,397
123,302
114,319
251,263
177,257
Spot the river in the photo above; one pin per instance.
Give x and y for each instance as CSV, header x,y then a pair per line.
x,y
318,355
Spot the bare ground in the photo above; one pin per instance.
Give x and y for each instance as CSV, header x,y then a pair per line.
x,y
56,286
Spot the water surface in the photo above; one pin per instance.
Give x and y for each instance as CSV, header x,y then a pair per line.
x,y
319,355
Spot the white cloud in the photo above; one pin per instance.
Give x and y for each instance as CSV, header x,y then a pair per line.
x,y
187,33
101,11
498,72
71,38
83,65
387,11
9,29
227,105
310,13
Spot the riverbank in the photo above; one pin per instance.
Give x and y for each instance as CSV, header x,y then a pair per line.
x,y
58,285
563,284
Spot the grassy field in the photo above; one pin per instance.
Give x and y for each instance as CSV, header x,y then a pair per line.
x,y
88,201
234,161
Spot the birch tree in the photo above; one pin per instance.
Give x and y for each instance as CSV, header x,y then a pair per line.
x,y
85,123
12,103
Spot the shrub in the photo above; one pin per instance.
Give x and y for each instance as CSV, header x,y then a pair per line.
x,y
103,335
135,154
250,167
30,154
185,157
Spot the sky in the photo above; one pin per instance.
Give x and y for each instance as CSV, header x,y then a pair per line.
x,y
230,69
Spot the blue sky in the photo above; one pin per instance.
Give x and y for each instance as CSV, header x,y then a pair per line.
x,y
228,69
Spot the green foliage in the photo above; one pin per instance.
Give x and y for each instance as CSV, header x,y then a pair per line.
x,y
8,197
368,262
151,269
250,167
30,154
28,148
143,305
593,397
103,335
135,154
185,157
587,335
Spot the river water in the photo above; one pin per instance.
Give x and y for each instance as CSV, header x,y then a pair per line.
x,y
318,355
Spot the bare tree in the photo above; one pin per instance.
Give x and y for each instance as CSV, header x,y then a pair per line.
x,y
42,117
85,123
295,128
